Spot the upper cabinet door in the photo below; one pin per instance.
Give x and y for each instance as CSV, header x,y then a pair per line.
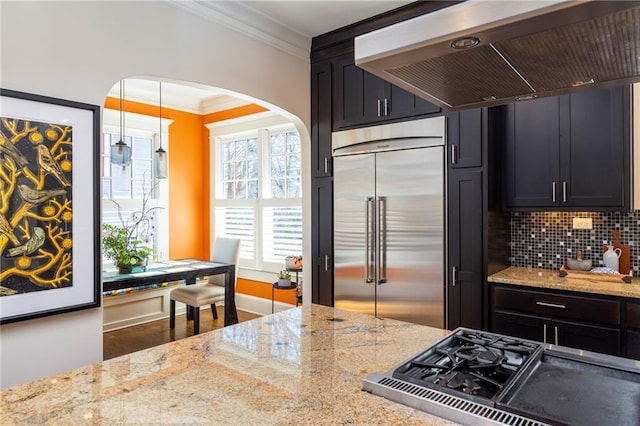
x,y
594,145
569,152
361,98
321,156
531,159
464,138
356,94
398,103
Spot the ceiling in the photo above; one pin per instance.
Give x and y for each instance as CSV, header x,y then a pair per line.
x,y
288,25
314,17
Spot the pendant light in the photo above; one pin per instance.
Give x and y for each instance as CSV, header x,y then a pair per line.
x,y
121,152
161,154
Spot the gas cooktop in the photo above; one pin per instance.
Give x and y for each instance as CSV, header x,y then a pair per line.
x,y
476,377
477,364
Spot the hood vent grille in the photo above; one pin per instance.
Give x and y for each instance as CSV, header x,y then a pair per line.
x,y
595,49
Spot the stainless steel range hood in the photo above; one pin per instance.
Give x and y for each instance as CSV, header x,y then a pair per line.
x,y
515,50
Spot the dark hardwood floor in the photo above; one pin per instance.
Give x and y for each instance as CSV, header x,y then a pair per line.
x,y
135,338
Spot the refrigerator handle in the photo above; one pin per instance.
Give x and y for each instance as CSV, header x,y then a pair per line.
x,y
382,240
369,232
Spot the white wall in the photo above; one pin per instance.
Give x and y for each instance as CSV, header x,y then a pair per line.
x,y
77,51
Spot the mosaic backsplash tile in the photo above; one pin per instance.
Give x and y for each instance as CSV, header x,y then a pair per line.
x,y
546,239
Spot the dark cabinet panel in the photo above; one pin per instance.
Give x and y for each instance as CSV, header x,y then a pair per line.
x,y
360,98
532,147
357,95
321,119
322,241
558,305
574,335
632,326
593,148
523,326
464,135
465,248
633,344
569,152
588,337
401,104
589,323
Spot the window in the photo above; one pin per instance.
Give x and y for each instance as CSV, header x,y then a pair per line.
x,y
258,194
125,186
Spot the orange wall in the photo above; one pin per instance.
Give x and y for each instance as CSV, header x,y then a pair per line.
x,y
260,289
189,185
188,207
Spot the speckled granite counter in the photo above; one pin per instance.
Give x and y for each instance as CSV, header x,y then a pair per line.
x,y
543,278
300,366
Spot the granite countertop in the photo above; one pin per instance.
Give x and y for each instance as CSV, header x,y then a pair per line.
x,y
300,366
542,278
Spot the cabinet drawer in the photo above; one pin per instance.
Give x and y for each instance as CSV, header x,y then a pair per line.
x,y
572,307
633,315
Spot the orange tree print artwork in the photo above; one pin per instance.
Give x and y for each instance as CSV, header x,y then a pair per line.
x,y
35,206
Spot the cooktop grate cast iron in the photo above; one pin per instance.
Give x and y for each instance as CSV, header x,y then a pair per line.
x,y
442,404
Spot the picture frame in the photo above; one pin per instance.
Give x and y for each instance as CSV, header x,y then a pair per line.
x,y
50,256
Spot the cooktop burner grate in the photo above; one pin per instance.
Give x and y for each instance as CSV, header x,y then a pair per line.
x,y
477,364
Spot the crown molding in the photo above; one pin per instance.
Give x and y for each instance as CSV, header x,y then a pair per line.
x,y
247,21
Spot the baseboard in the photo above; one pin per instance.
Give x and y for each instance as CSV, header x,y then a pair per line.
x,y
126,310
258,305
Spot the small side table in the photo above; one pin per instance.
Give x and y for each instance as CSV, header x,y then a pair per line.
x,y
275,287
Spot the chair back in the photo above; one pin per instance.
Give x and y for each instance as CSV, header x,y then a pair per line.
x,y
225,250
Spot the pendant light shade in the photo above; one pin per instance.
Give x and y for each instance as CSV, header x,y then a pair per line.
x,y
161,154
121,152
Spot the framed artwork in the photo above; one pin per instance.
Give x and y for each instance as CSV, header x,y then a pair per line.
x,y
49,206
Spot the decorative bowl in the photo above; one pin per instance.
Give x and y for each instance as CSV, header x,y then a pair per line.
x,y
579,265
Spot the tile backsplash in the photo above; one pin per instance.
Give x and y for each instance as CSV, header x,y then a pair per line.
x,y
546,239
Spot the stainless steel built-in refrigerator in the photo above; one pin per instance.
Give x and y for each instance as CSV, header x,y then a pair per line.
x,y
389,221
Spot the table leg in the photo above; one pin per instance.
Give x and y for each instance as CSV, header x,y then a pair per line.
x,y
190,309
230,312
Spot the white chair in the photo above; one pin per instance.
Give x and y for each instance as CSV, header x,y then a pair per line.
x,y
225,250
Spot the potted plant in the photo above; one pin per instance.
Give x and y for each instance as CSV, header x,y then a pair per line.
x,y
125,252
124,243
284,278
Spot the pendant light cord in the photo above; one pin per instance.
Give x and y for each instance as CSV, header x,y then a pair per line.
x,y
121,110
160,115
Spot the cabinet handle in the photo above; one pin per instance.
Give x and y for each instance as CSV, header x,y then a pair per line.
x,y
378,107
544,333
564,192
454,276
326,165
556,334
326,262
553,192
453,154
386,107
551,305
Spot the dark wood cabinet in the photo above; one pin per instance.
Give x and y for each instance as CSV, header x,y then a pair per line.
x,y
632,329
469,189
322,240
321,158
464,138
321,184
569,152
559,318
360,98
575,335
465,248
